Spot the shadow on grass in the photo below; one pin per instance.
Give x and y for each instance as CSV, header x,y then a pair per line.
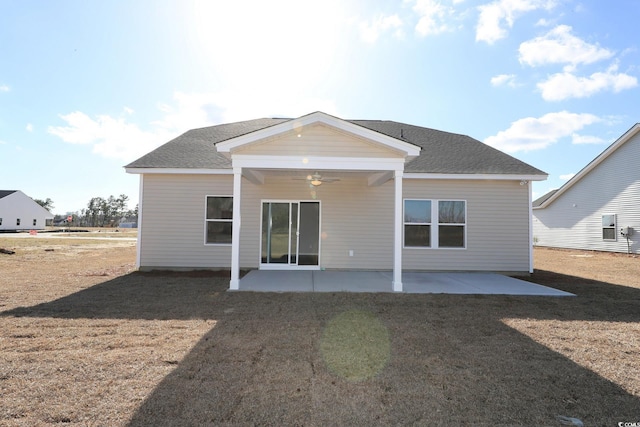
x,y
138,296
452,361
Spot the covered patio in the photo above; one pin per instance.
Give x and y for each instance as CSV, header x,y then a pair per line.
x,y
381,281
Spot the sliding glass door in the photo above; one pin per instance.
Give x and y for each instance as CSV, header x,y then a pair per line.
x,y
290,234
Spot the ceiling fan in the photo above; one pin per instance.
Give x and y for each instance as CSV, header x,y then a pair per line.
x,y
316,179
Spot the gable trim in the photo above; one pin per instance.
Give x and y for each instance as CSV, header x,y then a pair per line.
x,y
410,150
635,129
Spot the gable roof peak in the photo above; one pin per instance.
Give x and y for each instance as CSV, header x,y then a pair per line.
x,y
627,136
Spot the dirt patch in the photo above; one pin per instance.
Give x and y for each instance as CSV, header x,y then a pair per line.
x,y
84,340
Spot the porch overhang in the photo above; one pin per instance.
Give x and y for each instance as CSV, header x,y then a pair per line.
x,y
407,150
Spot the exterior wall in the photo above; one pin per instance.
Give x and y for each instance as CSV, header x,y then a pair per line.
x,y
318,140
19,205
497,226
354,217
574,220
173,221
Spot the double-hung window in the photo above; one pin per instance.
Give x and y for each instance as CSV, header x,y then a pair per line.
x,y
609,227
435,223
451,223
417,223
218,220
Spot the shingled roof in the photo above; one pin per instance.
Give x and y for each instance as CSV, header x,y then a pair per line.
x,y
442,152
5,193
540,200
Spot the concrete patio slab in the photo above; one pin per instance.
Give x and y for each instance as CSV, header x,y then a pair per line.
x,y
380,281
277,281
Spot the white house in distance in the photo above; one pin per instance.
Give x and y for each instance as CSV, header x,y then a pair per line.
x,y
19,212
599,208
320,192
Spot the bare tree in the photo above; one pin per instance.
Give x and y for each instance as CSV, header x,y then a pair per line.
x,y
47,204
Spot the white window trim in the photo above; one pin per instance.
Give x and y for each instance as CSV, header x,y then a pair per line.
x,y
266,266
214,220
405,223
435,225
615,228
452,224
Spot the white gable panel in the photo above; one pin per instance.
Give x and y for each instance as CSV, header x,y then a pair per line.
x,y
296,126
318,140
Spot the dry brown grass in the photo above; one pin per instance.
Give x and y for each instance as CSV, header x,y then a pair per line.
x,y
85,341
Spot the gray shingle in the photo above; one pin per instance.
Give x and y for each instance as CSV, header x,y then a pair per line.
x,y
540,200
5,193
196,149
442,152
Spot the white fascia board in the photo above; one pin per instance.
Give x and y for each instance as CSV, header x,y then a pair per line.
x,y
179,171
595,162
319,117
318,163
476,176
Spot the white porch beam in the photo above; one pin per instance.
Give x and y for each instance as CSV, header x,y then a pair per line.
x,y
379,178
397,235
315,163
253,176
234,284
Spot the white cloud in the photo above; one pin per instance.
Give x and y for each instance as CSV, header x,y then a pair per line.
x,y
531,133
29,127
504,79
2,142
586,139
433,17
543,23
371,31
567,177
566,85
117,137
559,46
110,137
4,88
495,16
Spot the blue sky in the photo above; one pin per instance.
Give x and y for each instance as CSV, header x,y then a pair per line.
x,y
87,87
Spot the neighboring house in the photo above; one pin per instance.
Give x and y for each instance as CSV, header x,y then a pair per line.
x,y
320,192
19,212
599,208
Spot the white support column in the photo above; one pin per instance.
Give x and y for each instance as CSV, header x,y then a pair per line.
x,y
234,284
530,188
397,234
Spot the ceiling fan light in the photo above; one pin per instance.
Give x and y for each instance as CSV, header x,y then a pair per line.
x,y
316,182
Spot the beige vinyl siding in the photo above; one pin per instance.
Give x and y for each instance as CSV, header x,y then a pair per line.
x,y
353,216
574,220
318,140
497,229
173,210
